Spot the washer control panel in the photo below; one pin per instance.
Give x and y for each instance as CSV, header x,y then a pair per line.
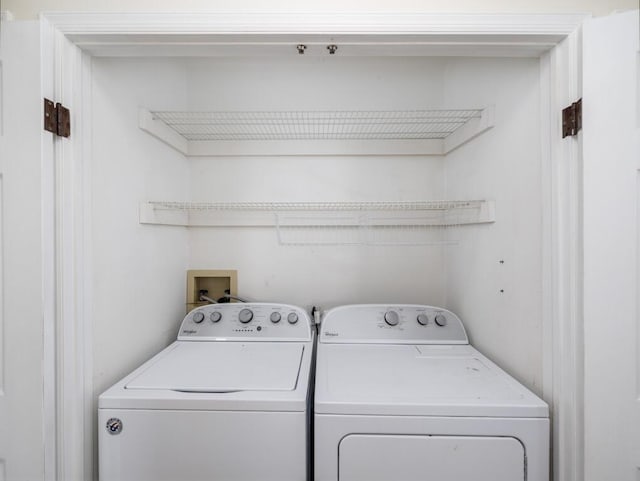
x,y
392,324
246,321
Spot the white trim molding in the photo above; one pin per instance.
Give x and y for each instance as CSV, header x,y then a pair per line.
x,y
50,335
68,376
562,269
84,25
278,33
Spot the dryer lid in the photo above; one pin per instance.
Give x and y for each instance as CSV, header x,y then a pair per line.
x,y
219,367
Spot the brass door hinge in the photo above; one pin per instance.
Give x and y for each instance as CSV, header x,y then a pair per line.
x,y
572,119
57,118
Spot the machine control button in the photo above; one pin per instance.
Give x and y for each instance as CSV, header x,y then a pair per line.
x,y
198,317
245,316
392,318
422,319
292,318
275,317
215,316
441,320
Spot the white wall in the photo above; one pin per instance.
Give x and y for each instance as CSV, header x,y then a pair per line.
x,y
313,275
321,275
30,8
301,82
138,270
500,302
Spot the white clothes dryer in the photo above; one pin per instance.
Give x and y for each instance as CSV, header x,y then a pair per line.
x,y
228,400
401,395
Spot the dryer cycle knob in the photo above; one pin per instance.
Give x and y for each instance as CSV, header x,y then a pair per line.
x,y
441,320
392,318
422,319
198,317
292,318
245,316
215,316
275,317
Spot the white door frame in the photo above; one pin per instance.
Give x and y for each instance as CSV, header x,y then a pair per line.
x,y
562,261
68,341
69,421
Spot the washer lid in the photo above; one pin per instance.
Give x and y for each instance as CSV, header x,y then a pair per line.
x,y
219,367
417,380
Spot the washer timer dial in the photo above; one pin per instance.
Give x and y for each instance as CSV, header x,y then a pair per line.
x,y
245,316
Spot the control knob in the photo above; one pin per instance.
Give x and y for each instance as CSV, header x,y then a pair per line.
x,y
245,316
292,318
198,317
275,317
392,318
441,320
422,319
215,316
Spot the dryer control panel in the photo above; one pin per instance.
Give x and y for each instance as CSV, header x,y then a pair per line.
x,y
246,322
392,324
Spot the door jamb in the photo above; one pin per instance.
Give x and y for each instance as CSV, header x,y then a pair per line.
x,y
562,260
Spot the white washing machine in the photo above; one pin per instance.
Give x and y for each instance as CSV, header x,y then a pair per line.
x,y
401,395
229,400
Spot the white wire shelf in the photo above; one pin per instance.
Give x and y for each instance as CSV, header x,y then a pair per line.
x,y
340,125
374,132
318,214
437,205
330,223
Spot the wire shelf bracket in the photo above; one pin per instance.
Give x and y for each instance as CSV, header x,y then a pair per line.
x,y
284,133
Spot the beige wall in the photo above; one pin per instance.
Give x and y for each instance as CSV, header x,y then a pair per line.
x,y
25,9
